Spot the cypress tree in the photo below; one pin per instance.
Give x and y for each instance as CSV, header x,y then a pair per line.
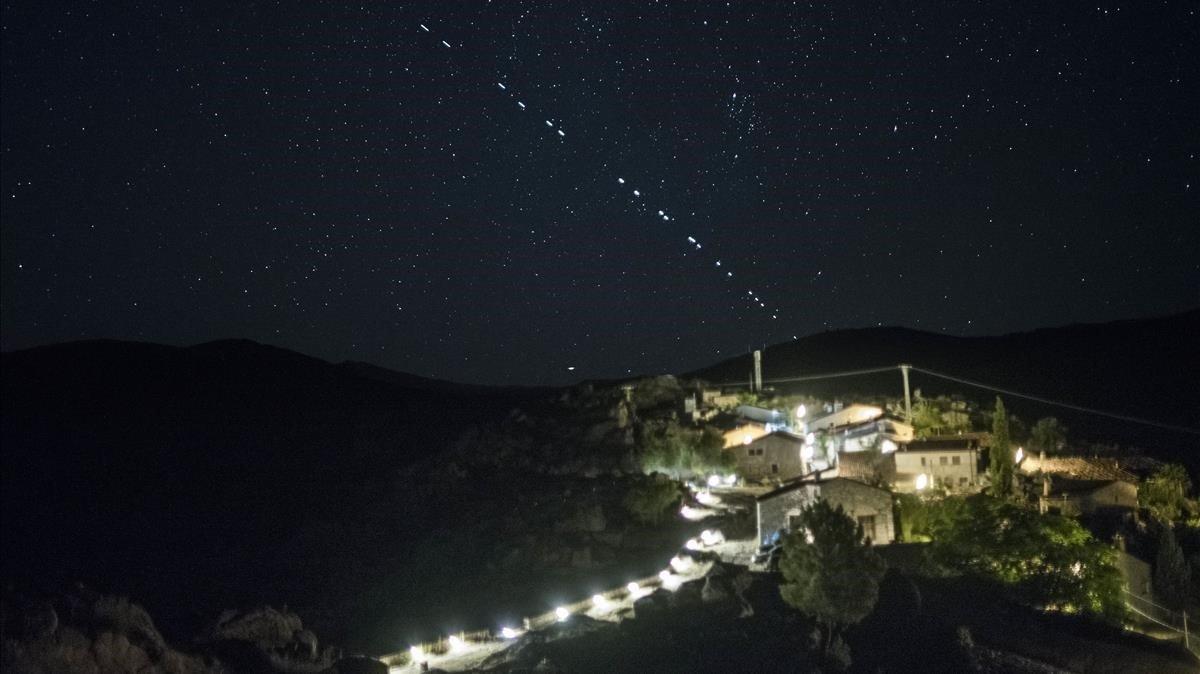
x,y
1000,456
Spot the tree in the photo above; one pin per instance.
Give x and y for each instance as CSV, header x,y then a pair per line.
x,y
650,501
926,418
1171,573
1050,560
683,452
830,572
1165,493
1000,456
1049,435
875,471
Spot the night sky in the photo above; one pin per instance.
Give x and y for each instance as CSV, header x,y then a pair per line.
x,y
334,179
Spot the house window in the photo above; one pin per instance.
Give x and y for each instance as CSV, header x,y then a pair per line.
x,y
867,522
922,461
943,460
774,468
956,460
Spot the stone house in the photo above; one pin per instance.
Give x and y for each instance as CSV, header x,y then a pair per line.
x,y
1069,496
777,456
889,432
870,506
846,416
951,463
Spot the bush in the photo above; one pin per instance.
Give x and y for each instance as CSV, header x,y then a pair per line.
x,y
649,501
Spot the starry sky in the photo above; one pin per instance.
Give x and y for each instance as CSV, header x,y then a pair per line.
x,y
351,181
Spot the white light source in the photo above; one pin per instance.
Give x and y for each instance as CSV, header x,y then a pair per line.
x,y
692,544
456,643
633,588
1020,454
509,633
730,480
682,564
810,439
561,613
801,412
416,653
664,575
888,446
714,480
598,601
712,537
922,481
747,439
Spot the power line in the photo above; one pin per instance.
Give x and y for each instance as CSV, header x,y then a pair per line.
x,y
812,377
997,389
1047,401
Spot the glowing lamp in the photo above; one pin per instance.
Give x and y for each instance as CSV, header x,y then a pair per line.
x,y
922,481
416,653
664,575
633,587
508,633
801,411
456,643
747,439
561,613
692,544
1020,454
714,481
598,601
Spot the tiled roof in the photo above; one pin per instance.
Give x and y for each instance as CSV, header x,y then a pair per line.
x,y
1078,467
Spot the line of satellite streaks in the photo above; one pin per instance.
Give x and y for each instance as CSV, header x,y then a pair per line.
x,y
774,313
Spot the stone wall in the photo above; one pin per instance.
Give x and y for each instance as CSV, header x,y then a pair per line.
x,y
856,498
780,458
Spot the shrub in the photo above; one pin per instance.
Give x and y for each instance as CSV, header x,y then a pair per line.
x,y
649,501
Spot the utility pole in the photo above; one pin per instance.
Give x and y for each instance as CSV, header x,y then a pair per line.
x,y
757,371
907,395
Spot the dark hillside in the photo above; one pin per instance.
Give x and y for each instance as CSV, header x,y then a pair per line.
x,y
120,459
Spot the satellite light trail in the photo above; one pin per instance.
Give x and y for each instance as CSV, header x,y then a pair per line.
x,y
637,194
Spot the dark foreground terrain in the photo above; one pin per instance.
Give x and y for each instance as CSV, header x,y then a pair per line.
x,y
383,508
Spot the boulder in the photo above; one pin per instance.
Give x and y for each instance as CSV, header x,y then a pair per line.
x,y
264,627
688,595
38,620
654,605
306,643
716,590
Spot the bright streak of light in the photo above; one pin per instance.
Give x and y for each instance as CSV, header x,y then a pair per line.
x,y
509,633
456,643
